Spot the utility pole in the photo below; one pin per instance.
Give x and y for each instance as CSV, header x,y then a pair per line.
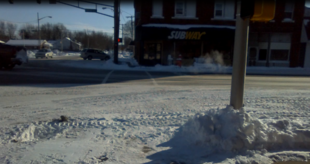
x,y
116,30
268,50
123,33
239,60
131,17
39,31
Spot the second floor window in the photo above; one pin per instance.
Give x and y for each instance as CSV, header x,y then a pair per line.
x,y
180,8
185,9
157,8
224,9
219,9
289,9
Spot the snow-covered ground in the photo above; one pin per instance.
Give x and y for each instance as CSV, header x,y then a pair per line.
x,y
114,123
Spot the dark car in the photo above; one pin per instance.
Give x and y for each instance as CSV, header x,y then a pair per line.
x,y
94,54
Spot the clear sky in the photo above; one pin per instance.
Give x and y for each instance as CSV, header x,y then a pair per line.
x,y
73,18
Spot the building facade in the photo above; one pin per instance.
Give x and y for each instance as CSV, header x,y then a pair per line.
x,y
194,28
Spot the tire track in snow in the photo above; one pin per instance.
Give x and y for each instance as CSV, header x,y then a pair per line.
x,y
107,77
153,80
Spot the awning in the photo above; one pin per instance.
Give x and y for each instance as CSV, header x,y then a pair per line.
x,y
185,32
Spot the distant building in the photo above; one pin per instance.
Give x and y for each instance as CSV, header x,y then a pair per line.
x,y
193,28
29,44
65,44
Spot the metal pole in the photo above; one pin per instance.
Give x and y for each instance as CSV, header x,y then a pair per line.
x,y
239,60
132,27
116,30
39,31
268,51
174,55
123,34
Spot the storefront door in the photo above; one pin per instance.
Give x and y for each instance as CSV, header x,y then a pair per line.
x,y
152,53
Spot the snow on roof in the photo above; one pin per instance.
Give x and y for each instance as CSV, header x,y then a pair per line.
x,y
25,42
185,27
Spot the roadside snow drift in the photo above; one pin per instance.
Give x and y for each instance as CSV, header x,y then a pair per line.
x,y
229,130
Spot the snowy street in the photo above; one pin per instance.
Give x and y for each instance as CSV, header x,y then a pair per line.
x,y
119,116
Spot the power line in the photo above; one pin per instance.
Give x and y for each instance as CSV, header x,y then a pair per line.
x,y
126,12
123,17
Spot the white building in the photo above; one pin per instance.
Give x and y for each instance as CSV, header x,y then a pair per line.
x,y
30,43
65,44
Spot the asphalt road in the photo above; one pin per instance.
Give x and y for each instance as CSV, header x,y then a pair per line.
x,y
47,71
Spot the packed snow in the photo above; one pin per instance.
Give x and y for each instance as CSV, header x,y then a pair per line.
x,y
115,123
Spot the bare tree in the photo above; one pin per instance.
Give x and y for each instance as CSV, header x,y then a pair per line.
x,y
29,31
128,29
10,30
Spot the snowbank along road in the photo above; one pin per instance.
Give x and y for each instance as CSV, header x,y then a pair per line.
x,y
149,117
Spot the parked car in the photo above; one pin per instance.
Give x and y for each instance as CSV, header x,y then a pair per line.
x,y
94,54
44,53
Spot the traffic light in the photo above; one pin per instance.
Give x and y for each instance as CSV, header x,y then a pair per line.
x,y
258,10
264,10
247,8
119,40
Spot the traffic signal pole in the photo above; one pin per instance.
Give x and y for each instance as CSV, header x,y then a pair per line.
x,y
239,60
116,30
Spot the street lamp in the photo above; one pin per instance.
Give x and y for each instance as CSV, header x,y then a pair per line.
x,y
39,27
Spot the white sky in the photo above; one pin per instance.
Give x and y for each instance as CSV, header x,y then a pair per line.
x,y
73,18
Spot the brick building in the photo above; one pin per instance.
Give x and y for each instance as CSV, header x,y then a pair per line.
x,y
193,28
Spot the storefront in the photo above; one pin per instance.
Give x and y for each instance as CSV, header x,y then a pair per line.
x,y
274,48
157,42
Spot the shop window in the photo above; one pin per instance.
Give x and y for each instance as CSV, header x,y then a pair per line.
x,y
152,51
280,55
289,9
180,8
157,9
262,54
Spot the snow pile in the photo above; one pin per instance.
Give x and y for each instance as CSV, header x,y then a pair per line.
x,y
33,132
64,53
31,53
56,52
72,53
22,55
229,130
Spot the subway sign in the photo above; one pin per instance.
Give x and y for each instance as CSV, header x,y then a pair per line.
x,y
186,35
